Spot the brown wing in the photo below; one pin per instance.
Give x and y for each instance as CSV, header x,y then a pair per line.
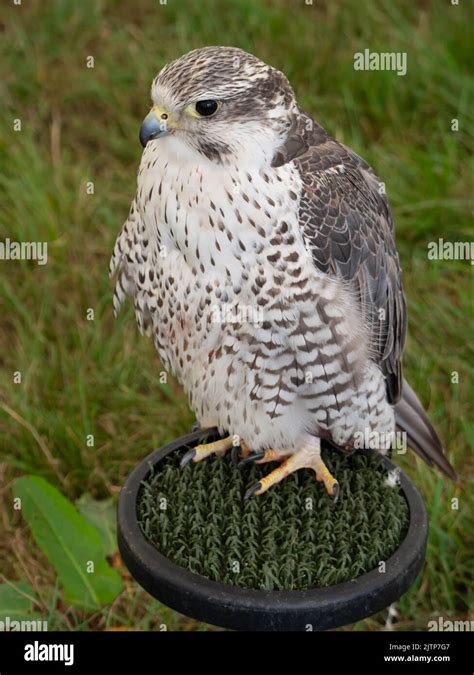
x,y
346,219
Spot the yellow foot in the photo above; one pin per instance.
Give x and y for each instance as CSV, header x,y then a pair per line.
x,y
200,452
309,457
263,457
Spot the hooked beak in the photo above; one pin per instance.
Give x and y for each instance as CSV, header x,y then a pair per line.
x,y
155,125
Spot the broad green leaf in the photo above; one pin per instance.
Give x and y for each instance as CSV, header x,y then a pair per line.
x,y
70,543
103,516
16,599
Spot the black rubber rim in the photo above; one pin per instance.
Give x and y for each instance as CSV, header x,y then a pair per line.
x,y
241,609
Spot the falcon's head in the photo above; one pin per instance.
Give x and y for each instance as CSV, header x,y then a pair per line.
x,y
222,103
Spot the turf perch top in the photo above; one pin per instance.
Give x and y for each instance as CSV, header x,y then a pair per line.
x,y
260,254
293,538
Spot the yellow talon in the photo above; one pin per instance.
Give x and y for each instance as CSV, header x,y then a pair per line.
x,y
323,475
204,450
309,457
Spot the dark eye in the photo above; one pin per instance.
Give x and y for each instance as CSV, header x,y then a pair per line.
x,y
206,108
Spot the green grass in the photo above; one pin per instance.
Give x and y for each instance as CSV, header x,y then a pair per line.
x,y
99,377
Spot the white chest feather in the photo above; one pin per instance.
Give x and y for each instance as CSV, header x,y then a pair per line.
x,y
262,342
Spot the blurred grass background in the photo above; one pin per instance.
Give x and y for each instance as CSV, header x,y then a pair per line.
x,y
99,377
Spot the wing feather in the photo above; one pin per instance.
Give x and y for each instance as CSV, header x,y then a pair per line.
x,y
346,219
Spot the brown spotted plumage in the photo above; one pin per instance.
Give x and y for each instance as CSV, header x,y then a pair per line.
x,y
260,254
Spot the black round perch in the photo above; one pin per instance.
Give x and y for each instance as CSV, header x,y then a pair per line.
x,y
290,559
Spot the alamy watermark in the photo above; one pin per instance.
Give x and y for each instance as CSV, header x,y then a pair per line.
x,y
228,313
38,651
367,60
451,250
24,250
9,625
451,626
369,439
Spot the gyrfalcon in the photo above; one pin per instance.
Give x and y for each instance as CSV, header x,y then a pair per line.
x,y
260,254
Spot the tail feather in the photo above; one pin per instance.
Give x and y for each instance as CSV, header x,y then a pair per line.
x,y
422,438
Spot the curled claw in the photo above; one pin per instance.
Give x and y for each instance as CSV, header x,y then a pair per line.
x,y
250,459
187,458
252,490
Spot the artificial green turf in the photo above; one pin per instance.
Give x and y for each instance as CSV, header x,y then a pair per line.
x,y
292,537
83,377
